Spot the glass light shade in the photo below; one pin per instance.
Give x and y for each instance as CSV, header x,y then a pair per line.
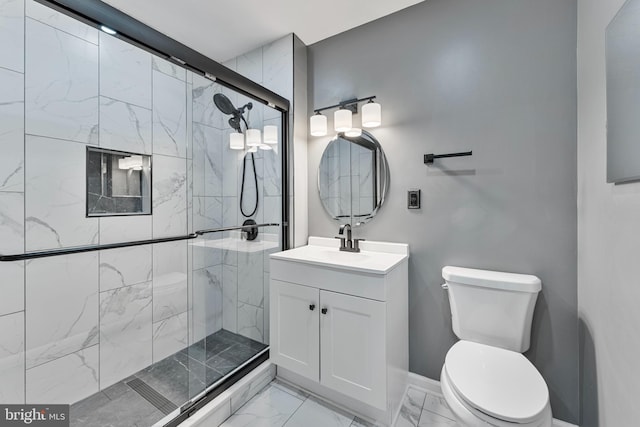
x,y
253,137
130,162
342,120
265,147
353,132
318,125
236,141
270,135
253,149
371,115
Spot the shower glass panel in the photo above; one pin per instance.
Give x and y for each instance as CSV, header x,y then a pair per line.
x,y
126,336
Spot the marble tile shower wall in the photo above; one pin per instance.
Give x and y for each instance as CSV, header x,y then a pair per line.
x,y
73,325
246,274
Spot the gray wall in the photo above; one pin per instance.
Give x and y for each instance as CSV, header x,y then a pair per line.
x,y
497,77
608,230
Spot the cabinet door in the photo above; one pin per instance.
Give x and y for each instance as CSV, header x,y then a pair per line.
x,y
352,343
294,326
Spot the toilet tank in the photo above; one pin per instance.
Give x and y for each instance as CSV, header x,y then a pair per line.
x,y
492,307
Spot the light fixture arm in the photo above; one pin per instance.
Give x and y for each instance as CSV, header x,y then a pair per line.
x,y
351,104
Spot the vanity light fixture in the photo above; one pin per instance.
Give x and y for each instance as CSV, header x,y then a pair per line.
x,y
343,117
254,137
270,135
342,120
236,141
265,147
130,162
318,124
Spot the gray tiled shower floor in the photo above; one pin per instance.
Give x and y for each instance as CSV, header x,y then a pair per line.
x,y
176,378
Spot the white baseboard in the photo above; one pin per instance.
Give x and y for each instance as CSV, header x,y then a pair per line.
x,y
433,386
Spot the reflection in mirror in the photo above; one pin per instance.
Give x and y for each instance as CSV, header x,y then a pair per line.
x,y
623,94
353,178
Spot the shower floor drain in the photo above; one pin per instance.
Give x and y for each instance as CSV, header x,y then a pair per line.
x,y
163,404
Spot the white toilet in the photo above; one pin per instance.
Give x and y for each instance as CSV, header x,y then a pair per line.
x,y
485,379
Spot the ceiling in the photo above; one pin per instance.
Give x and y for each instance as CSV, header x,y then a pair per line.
x,y
223,29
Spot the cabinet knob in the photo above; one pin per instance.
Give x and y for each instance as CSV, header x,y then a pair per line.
x,y
324,310
312,307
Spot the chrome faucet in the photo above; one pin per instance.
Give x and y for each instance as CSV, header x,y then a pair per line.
x,y
348,244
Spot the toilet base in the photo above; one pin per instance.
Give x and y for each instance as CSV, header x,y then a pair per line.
x,y
467,418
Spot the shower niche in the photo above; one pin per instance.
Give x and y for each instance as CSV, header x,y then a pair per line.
x,y
118,183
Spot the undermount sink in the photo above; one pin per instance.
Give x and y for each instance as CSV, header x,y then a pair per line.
x,y
374,257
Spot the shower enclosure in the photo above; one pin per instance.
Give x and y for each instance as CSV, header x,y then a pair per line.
x,y
129,314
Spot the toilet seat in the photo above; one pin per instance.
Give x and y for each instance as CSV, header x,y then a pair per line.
x,y
498,386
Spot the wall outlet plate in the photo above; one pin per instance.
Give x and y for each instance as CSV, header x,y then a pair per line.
x,y
413,199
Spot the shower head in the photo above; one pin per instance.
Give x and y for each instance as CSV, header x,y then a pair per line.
x,y
224,104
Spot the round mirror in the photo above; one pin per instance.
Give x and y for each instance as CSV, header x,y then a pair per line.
x,y
353,178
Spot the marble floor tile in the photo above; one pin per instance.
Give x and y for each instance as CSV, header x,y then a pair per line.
x,y
411,408
271,407
127,409
436,404
300,394
315,413
429,419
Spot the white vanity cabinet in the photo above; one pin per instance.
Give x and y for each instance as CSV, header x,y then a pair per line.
x,y
339,323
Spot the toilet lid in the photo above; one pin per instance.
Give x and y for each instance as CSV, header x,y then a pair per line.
x,y
498,382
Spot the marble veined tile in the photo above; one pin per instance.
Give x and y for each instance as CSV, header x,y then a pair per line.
x,y
11,128
12,358
207,301
168,68
429,419
271,407
55,197
61,85
169,336
61,306
250,65
436,404
204,110
207,161
315,413
125,71
231,161
250,278
65,380
169,115
11,223
125,266
63,22
12,34
207,212
277,66
169,196
125,332
12,274
251,321
411,408
169,279
119,229
125,127
230,298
